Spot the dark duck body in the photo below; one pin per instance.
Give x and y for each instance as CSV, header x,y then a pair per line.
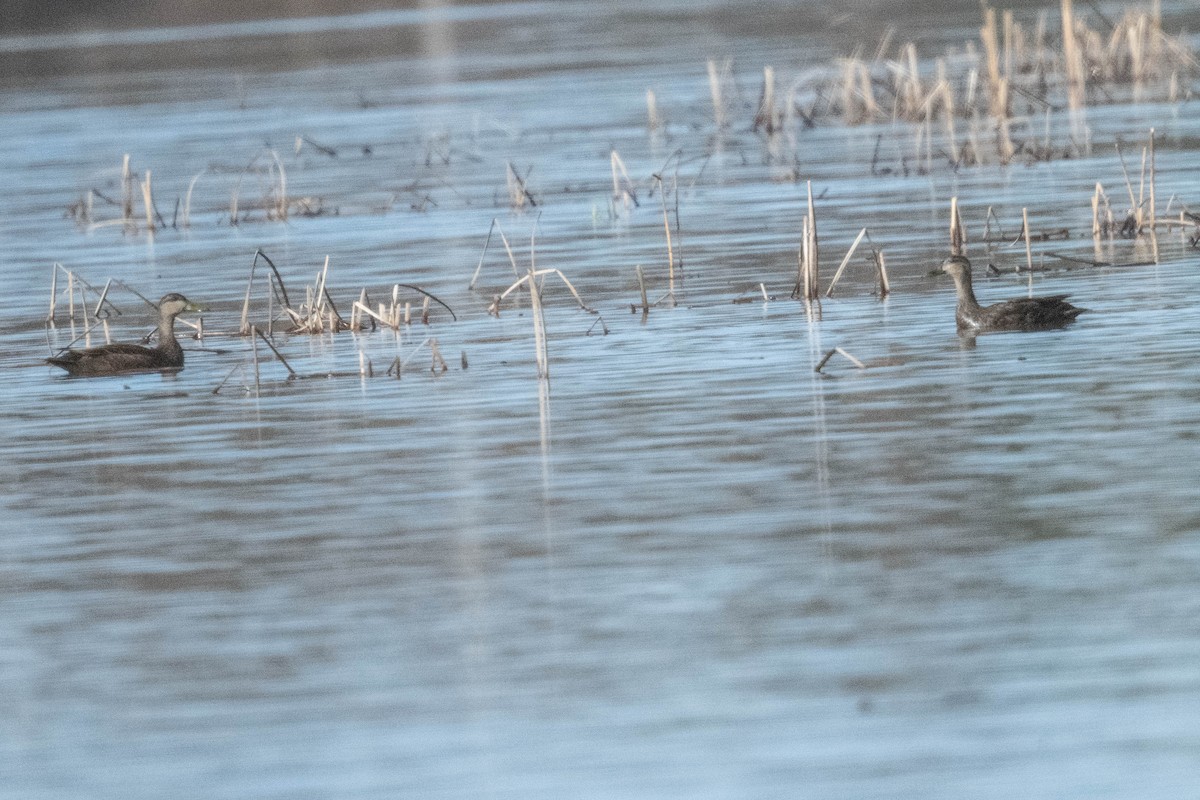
x,y
114,359
1023,314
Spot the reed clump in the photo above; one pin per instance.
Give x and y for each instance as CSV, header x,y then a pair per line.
x,y
980,104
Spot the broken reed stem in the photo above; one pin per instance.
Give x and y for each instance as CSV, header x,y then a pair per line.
x,y
538,273
846,260
439,364
518,194
714,89
642,288
811,258
281,198
884,286
148,202
103,297
623,191
958,234
1025,231
839,351
254,350
653,117
126,192
765,117
258,333
53,291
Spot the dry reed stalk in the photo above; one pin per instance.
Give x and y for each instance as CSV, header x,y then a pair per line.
x,y
1010,42
766,116
1135,209
53,291
103,297
233,203
997,105
908,85
1105,224
622,187
846,260
947,102
518,194
439,364
126,192
958,233
148,202
279,209
479,266
539,273
654,120
642,288
1153,209
867,89
1025,232
187,203
839,351
811,251
539,327
383,317
254,350
849,78
667,231
1072,59
881,267
715,92
258,334
1141,196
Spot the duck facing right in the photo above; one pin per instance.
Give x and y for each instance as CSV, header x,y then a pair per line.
x,y
1022,314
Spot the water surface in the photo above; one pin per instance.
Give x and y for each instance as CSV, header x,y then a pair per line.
x,y
688,565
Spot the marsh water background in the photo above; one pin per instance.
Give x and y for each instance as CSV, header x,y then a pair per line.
x,y
689,565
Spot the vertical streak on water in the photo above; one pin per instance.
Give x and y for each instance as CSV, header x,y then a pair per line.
x,y
820,432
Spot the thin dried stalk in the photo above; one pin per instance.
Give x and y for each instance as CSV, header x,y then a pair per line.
x,y
846,260
187,203
623,192
1025,232
714,89
148,202
766,117
884,285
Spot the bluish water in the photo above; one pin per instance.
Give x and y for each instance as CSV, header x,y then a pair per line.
x,y
688,565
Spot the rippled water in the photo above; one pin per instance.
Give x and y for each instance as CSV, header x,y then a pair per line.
x,y
687,566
